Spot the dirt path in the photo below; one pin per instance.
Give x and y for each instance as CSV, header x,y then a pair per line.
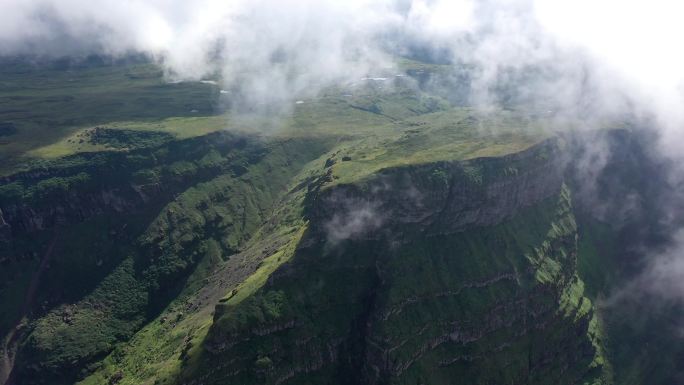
x,y
9,344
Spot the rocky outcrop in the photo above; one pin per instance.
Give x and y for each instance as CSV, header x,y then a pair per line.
x,y
73,207
73,189
441,198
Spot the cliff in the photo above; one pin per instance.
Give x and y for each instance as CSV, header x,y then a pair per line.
x,y
106,241
80,187
443,197
452,272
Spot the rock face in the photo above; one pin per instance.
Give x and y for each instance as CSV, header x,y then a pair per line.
x,y
5,229
24,218
84,186
449,273
442,198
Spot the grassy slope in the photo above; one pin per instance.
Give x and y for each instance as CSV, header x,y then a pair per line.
x,y
150,267
48,105
154,353
455,134
53,112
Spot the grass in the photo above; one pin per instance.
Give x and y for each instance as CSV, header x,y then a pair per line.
x,y
177,127
266,268
46,106
455,134
54,112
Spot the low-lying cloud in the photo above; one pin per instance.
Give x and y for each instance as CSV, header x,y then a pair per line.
x,y
588,58
356,219
659,284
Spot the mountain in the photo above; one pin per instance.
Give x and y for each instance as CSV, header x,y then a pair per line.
x,y
380,233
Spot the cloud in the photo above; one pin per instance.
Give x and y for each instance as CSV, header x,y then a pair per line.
x,y
355,219
659,284
584,57
633,44
265,50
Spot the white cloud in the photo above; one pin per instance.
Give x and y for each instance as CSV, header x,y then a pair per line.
x,y
275,48
638,41
441,18
599,56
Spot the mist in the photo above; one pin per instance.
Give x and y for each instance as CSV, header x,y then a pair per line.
x,y
591,59
586,61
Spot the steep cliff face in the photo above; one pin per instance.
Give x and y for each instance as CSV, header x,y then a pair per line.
x,y
447,273
95,205
84,186
441,198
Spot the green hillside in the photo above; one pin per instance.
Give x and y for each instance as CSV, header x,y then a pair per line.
x,y
375,234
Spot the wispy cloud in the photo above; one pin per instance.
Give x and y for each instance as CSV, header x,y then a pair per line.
x,y
583,56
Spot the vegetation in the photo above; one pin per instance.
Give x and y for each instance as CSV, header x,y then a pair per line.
x,y
180,242
40,105
336,296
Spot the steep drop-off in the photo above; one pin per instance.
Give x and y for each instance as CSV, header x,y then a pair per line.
x,y
236,259
444,273
98,244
